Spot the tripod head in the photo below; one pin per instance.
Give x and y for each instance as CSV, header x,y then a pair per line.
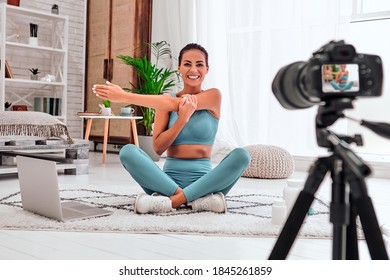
x,y
330,111
328,114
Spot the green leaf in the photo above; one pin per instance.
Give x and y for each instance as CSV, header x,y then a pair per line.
x,y
151,79
106,103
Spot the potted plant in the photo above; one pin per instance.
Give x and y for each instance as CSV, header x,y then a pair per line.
x,y
106,108
54,9
35,72
151,80
7,105
33,40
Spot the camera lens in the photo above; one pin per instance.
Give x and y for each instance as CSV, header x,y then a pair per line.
x,y
288,87
335,71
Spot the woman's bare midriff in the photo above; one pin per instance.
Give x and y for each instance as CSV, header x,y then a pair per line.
x,y
189,151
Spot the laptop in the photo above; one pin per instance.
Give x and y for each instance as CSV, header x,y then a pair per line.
x,y
40,192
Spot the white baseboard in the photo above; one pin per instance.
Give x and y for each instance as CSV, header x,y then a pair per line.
x,y
380,166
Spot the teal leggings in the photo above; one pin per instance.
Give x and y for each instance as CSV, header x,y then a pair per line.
x,y
196,177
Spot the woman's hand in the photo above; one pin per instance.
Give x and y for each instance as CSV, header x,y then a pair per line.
x,y
187,106
111,92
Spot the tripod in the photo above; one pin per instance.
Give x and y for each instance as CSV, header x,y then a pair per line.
x,y
349,193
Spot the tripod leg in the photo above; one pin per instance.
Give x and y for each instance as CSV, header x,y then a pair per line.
x,y
299,210
339,210
352,243
366,212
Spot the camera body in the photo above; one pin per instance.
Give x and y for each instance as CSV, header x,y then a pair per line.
x,y
334,71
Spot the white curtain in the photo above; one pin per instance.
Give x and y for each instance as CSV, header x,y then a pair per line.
x,y
248,42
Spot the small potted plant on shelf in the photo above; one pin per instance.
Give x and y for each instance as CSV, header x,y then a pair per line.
x,y
54,9
7,105
33,40
35,72
106,109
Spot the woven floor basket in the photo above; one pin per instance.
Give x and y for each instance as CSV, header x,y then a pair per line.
x,y
269,162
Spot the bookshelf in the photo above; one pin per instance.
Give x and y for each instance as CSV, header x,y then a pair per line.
x,y
18,55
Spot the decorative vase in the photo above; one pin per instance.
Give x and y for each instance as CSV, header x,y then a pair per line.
x,y
106,111
33,41
13,2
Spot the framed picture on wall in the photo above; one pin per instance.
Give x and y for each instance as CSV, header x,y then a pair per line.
x,y
8,72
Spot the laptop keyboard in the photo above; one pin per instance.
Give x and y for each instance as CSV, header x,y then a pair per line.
x,y
72,210
80,207
69,213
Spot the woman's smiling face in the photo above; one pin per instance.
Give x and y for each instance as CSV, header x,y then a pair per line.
x,y
193,67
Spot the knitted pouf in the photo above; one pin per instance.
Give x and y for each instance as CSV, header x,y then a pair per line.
x,y
269,162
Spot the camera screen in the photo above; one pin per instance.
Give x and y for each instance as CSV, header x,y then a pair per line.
x,y
340,78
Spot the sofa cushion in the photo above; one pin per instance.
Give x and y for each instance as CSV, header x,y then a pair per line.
x,y
21,125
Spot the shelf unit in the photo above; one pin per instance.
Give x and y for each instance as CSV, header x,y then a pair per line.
x,y
50,56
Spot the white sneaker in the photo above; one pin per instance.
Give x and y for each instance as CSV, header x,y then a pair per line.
x,y
212,202
152,204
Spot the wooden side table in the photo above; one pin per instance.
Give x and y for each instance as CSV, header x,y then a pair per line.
x,y
90,116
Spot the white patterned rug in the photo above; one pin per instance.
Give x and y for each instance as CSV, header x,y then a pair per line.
x,y
249,214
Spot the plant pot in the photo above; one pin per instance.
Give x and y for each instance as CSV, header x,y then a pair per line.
x,y
55,11
106,111
33,41
34,77
146,144
13,2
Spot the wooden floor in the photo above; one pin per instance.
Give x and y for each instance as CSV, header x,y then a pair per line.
x,y
47,245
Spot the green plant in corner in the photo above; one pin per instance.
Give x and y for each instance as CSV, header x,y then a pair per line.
x,y
152,80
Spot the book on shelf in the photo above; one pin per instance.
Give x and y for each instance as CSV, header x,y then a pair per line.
x,y
19,108
50,105
8,71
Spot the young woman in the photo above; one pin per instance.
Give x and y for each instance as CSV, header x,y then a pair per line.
x,y
185,126
341,82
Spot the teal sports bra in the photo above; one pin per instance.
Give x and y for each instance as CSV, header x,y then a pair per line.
x,y
201,128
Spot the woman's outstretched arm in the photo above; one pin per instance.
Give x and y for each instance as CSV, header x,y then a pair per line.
x,y
115,93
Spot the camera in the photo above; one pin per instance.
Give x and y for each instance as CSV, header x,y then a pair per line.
x,y
334,71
